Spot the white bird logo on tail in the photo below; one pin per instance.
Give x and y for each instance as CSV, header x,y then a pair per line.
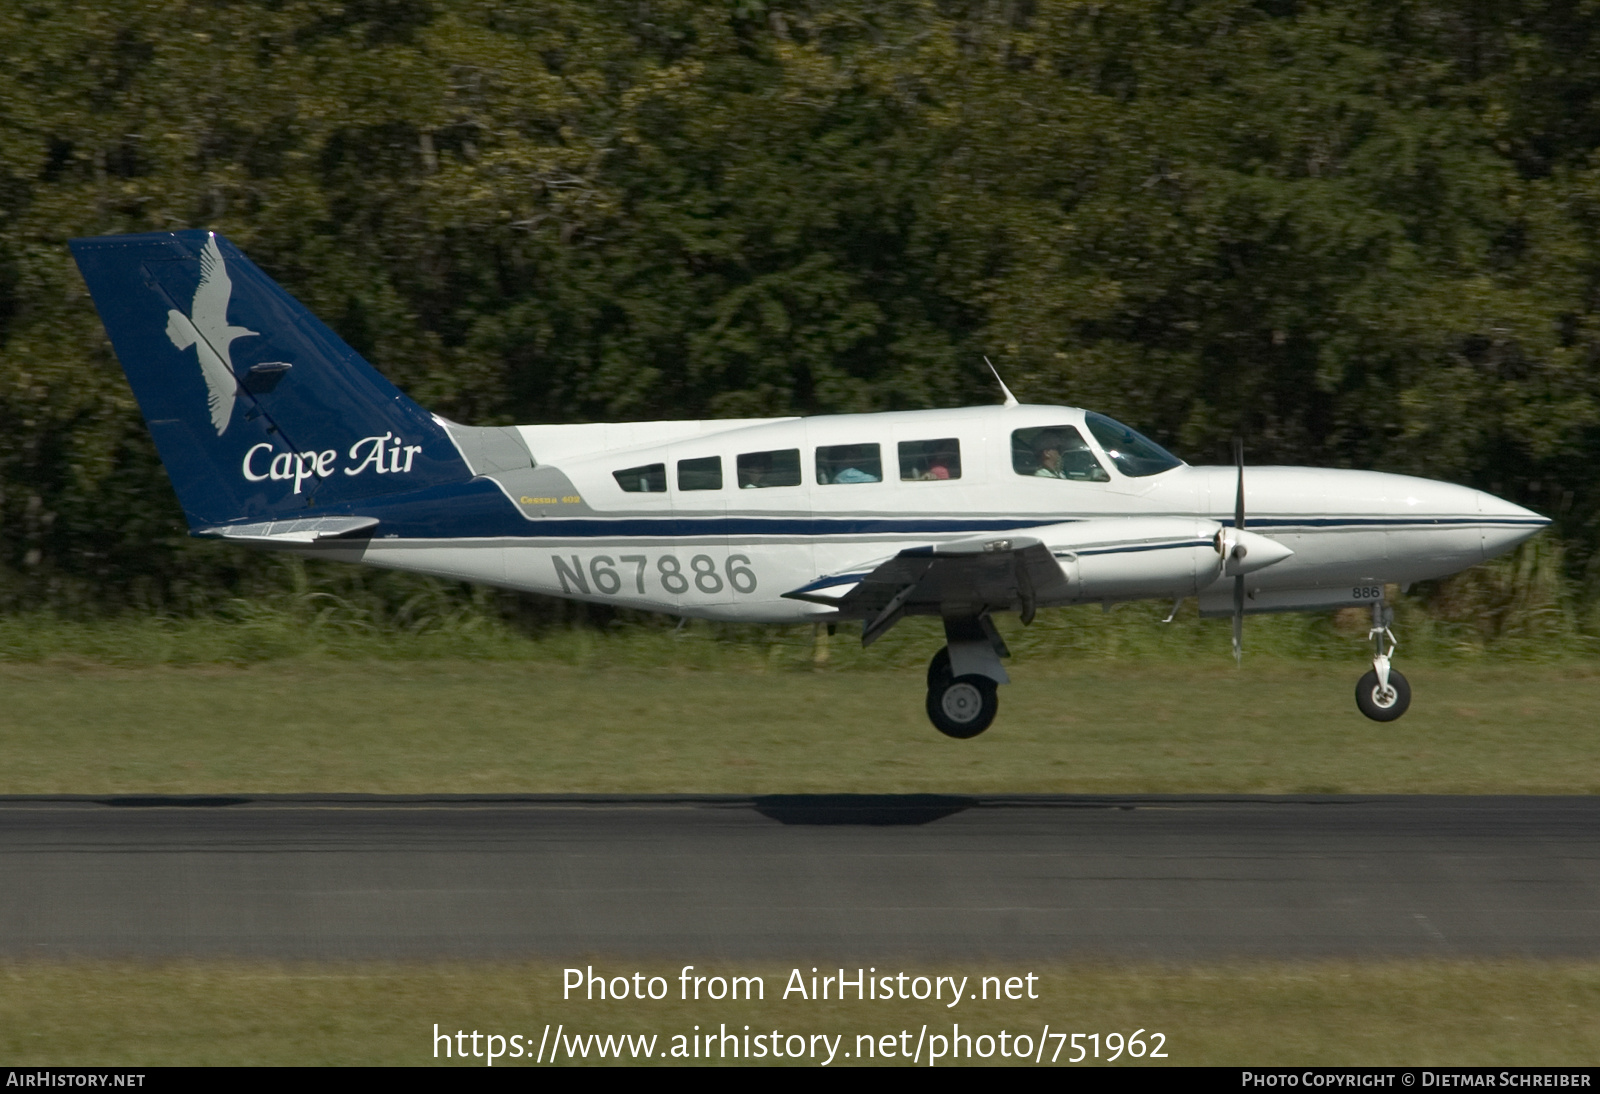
x,y
207,330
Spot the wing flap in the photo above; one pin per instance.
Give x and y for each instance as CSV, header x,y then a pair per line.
x,y
956,578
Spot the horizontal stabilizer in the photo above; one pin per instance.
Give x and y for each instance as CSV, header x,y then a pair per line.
x,y
306,530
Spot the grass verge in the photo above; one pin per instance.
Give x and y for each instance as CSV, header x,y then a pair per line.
x,y
1302,1013
478,727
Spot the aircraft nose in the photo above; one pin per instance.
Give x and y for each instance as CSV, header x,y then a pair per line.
x,y
1506,524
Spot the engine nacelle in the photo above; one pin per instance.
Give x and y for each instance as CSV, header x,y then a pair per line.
x,y
1152,556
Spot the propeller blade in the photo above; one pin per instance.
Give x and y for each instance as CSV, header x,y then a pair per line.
x,y
1238,501
1238,620
1238,582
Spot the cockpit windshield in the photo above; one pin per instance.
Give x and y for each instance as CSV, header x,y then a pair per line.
x,y
1134,454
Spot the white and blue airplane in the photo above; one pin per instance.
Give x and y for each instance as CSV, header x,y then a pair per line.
x,y
276,434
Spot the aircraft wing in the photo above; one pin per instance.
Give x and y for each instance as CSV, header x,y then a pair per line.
x,y
960,577
1107,559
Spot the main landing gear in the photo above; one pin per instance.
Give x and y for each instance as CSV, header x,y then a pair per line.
x,y
964,678
959,706
1382,694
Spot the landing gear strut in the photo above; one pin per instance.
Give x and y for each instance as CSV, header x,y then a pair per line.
x,y
959,706
1382,694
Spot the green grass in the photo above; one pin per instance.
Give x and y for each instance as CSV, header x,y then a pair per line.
x,y
443,726
1470,621
1300,1013
295,700
307,697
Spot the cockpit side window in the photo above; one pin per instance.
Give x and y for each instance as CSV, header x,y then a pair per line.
x,y
1134,454
649,479
758,470
1055,452
848,463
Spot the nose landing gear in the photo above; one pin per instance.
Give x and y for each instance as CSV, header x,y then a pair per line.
x,y
1382,694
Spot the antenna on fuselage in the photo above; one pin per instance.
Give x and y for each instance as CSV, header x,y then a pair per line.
x,y
1011,400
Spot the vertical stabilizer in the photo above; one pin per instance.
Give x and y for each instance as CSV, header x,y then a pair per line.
x,y
258,409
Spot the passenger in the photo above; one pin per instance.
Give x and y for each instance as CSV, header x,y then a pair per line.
x,y
854,474
938,469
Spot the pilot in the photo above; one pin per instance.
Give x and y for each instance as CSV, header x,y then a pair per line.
x,y
1050,463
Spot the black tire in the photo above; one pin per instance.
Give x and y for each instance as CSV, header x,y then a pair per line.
x,y
939,669
963,707
1374,706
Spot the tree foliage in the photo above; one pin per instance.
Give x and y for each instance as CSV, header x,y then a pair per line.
x,y
1361,234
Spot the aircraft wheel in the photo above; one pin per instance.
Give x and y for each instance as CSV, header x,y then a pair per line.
x,y
1379,705
963,707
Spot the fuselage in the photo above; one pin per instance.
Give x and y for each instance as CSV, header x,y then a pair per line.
x,y
275,434
719,519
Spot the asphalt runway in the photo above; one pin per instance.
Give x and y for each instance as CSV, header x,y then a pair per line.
x,y
1164,878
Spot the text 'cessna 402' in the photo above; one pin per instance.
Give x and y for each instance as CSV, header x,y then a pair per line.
x,y
276,434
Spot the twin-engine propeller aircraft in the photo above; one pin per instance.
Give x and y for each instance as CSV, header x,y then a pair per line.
x,y
276,434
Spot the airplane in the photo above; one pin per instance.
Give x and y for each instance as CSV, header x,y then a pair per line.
x,y
276,434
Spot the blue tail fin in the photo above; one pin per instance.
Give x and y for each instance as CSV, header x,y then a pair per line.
x,y
259,410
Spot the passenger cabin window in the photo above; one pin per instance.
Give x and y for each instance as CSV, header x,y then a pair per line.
x,y
930,461
758,470
841,464
1055,452
1134,454
701,474
649,479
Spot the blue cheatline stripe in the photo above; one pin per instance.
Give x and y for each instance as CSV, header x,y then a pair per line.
x,y
478,510
686,528
821,528
1133,548
771,526
1382,522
